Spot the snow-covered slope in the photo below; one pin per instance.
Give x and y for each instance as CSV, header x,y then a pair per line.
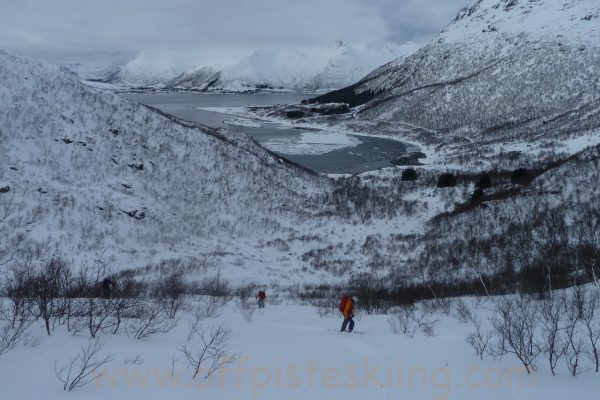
x,y
288,351
524,66
296,69
91,173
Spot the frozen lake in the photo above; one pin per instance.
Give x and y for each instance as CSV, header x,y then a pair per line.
x,y
321,151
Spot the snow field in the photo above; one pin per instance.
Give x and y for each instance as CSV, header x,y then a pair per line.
x,y
288,351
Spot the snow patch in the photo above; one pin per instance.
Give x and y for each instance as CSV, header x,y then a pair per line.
x,y
312,143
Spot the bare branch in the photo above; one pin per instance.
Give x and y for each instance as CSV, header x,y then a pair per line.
x,y
81,369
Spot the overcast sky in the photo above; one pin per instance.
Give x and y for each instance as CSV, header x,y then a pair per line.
x,y
55,27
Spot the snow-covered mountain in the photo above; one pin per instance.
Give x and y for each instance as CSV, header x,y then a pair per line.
x,y
292,69
524,66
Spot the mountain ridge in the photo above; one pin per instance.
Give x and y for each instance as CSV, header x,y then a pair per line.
x,y
309,69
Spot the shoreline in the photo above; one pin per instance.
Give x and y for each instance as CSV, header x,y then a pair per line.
x,y
411,146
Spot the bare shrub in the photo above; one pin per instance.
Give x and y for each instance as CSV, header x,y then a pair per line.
x,y
97,314
126,298
275,299
516,326
575,343
479,340
88,309
210,353
438,304
463,311
408,319
13,331
47,288
325,306
207,307
81,369
245,302
574,349
554,346
215,286
591,326
148,319
170,293
428,329
19,291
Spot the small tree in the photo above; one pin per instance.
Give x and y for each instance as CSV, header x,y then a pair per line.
x,y
19,290
408,319
207,307
591,326
245,302
149,319
170,293
98,312
516,326
575,344
47,288
81,369
210,354
479,340
463,311
125,299
13,330
554,345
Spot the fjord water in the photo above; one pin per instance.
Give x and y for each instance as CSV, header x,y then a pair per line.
x,y
361,153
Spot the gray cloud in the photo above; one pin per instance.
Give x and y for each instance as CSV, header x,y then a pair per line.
x,y
418,20
91,26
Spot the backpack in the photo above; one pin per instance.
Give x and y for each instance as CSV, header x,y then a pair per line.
x,y
343,302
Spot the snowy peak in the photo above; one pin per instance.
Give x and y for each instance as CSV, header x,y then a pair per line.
x,y
575,21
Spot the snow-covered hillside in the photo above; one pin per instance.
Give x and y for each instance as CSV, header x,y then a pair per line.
x,y
290,69
89,173
503,69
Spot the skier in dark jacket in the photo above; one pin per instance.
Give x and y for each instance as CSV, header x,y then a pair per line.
x,y
107,287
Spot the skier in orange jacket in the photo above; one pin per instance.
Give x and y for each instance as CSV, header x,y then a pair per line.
x,y
348,311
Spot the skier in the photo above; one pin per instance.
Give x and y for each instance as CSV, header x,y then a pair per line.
x,y
261,296
347,309
107,287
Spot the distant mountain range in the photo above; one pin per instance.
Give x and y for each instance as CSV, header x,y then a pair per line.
x,y
276,69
